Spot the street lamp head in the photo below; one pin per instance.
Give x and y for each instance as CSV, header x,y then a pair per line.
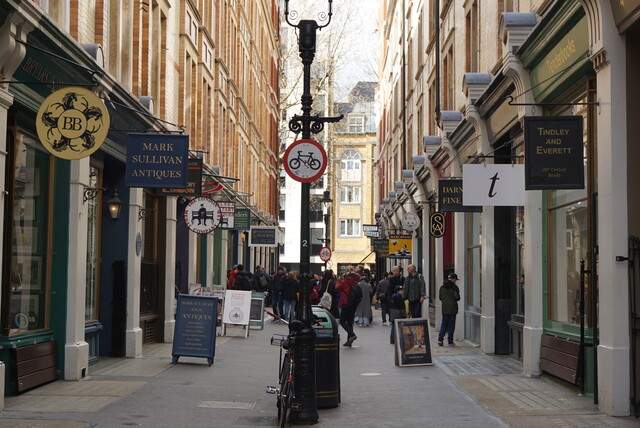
x,y
326,198
115,205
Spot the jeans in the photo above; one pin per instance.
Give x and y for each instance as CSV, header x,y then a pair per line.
x,y
384,306
278,304
346,319
415,308
363,320
289,309
448,326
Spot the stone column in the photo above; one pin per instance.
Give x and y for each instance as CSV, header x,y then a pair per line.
x,y
134,267
170,268
488,317
533,289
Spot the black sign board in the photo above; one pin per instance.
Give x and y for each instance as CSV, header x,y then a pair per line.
x,y
437,225
194,181
553,152
450,197
256,313
413,347
195,330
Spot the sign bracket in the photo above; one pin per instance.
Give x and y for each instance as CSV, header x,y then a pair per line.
x,y
511,103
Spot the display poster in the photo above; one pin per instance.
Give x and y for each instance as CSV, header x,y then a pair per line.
x,y
256,313
157,160
194,181
237,307
195,329
450,197
493,185
400,246
554,152
413,344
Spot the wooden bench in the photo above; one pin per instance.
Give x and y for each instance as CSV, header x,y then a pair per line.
x,y
36,365
560,358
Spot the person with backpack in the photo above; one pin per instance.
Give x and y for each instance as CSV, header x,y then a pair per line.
x,y
242,280
350,297
364,314
261,278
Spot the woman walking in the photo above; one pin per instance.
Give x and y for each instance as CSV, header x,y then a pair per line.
x,y
364,314
328,285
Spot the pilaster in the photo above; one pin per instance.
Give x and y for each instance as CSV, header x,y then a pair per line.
x,y
134,267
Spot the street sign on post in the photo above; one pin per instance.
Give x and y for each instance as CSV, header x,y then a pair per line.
x,y
305,160
325,254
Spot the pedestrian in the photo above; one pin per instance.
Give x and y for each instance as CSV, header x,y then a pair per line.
x,y
364,314
277,288
395,279
289,295
243,280
381,293
231,279
414,291
397,309
261,279
346,286
328,285
449,296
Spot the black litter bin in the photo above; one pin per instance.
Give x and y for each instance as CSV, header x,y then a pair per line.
x,y
327,359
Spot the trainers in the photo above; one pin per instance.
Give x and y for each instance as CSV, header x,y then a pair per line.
x,y
384,323
452,344
350,340
440,343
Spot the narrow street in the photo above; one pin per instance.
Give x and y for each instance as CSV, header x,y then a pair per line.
x,y
465,388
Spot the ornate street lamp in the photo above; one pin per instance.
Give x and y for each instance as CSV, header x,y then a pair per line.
x,y
114,205
306,411
326,201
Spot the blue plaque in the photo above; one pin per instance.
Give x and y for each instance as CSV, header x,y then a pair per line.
x,y
157,160
195,330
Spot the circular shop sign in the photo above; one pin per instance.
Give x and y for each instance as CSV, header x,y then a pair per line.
x,y
305,160
72,123
410,222
202,215
325,254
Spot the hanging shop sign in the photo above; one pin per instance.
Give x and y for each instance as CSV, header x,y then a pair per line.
x,y
554,153
305,160
263,236
381,246
202,215
227,214
450,197
242,219
194,181
157,160
437,225
72,123
410,222
371,230
195,328
400,246
493,185
325,254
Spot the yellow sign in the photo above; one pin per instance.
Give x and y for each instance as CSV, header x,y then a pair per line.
x,y
72,123
400,246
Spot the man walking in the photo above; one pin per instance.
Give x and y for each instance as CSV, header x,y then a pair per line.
x,y
395,279
415,291
449,296
277,287
382,291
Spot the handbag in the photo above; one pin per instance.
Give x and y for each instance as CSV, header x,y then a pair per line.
x,y
325,301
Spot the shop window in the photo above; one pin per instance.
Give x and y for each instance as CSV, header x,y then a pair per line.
x,y
350,195
93,248
473,276
350,227
28,229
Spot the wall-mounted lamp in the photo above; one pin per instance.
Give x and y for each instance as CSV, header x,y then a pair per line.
x,y
115,205
142,212
91,192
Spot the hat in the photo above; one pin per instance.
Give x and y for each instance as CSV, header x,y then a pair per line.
x,y
399,287
452,276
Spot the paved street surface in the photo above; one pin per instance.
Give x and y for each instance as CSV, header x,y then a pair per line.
x,y
465,388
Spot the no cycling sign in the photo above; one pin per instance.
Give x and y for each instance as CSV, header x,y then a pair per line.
x,y
305,160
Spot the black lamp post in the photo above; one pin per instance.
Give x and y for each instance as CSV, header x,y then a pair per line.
x,y
326,201
306,411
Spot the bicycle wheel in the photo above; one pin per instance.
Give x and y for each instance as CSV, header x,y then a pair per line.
x,y
294,163
283,391
285,404
314,164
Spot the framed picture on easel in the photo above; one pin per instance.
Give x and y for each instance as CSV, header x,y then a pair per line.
x,y
413,344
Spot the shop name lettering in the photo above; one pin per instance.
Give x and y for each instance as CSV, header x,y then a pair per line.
x,y
203,317
551,141
562,56
157,159
452,199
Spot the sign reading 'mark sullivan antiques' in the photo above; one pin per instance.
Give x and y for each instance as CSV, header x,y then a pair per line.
x,y
157,160
450,197
195,329
553,152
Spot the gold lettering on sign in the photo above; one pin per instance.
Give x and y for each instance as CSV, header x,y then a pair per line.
x,y
561,57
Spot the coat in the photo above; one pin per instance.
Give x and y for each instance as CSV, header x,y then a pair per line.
x,y
449,295
364,307
344,287
414,287
290,288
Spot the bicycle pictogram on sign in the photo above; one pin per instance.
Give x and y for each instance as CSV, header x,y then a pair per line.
x,y
305,160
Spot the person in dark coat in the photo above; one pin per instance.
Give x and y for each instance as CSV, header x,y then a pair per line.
x,y
347,311
395,279
276,289
243,280
449,296
397,309
328,285
382,293
290,296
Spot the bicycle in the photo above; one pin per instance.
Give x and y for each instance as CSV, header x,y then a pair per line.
x,y
285,392
310,161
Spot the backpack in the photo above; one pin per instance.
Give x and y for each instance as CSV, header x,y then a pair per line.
x,y
242,283
264,281
354,298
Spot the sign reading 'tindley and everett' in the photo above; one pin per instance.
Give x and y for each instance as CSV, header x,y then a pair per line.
x,y
553,152
157,160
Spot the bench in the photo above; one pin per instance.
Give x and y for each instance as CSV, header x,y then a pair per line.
x,y
195,215
560,358
36,365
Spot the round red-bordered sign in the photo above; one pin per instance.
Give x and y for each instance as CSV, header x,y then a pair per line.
x,y
305,160
325,254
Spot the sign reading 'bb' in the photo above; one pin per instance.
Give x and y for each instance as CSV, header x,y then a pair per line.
x,y
554,154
